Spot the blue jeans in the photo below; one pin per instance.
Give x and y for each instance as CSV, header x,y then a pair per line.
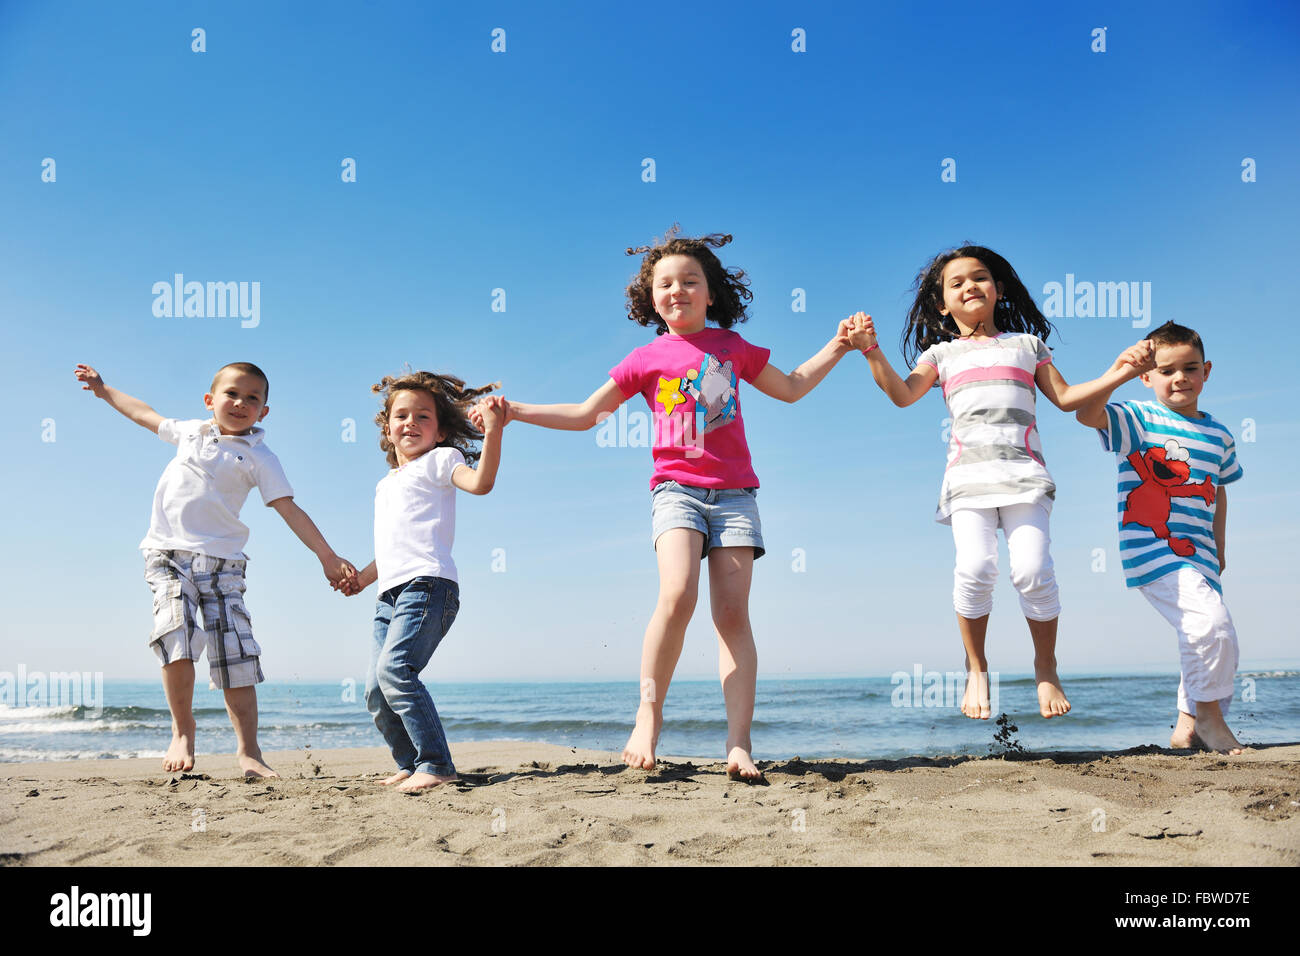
x,y
410,621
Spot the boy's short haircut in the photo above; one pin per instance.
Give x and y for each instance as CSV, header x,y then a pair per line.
x,y
1171,333
247,368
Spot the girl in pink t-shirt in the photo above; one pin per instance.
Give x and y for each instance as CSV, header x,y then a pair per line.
x,y
703,486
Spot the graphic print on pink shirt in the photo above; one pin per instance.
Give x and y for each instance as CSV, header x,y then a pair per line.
x,y
691,384
712,385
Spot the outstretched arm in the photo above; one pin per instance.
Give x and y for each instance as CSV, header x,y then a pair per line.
x,y
479,481
902,392
132,408
576,418
335,568
790,388
1089,399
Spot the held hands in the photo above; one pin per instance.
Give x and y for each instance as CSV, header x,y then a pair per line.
x,y
356,581
1139,358
490,414
341,574
861,331
90,379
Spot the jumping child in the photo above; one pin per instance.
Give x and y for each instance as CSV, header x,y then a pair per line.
x,y
981,336
703,488
429,441
194,551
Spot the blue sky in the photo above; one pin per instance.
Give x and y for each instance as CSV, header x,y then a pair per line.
x,y
522,170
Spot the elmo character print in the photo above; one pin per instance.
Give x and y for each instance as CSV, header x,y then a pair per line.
x,y
1164,473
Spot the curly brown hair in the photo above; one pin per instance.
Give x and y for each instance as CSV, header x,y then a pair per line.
x,y
729,288
450,397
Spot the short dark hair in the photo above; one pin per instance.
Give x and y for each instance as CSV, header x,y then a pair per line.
x,y
247,368
1171,333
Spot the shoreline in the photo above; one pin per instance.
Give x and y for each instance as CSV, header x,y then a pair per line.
x,y
540,804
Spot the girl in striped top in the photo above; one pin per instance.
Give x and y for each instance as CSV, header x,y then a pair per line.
x,y
975,330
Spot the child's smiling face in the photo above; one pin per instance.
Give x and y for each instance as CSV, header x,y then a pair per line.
x,y
1178,378
970,294
413,426
681,293
237,402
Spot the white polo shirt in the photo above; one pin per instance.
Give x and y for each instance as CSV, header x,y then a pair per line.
x,y
197,501
415,519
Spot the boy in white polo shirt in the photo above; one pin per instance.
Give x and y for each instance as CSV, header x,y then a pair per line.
x,y
194,559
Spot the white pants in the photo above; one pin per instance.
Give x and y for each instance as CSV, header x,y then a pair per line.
x,y
974,532
1207,641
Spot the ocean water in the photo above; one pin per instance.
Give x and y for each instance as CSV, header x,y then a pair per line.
x,y
864,718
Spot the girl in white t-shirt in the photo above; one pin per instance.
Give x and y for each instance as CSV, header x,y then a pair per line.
x,y
429,443
975,330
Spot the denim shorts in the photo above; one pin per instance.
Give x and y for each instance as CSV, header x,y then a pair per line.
x,y
727,517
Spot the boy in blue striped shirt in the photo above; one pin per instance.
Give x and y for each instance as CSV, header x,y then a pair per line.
x,y
1174,463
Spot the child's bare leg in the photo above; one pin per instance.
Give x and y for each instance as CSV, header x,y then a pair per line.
x,y
975,701
241,705
678,554
730,573
178,686
1184,734
1051,698
1213,730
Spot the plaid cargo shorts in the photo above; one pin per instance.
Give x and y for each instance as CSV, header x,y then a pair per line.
x,y
198,602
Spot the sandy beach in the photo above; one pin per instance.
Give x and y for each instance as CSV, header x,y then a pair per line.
x,y
541,805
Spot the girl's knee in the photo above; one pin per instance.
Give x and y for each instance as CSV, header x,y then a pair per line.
x,y
973,580
731,619
976,570
1033,574
678,600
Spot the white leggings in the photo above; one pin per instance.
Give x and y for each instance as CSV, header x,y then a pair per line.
x,y
974,532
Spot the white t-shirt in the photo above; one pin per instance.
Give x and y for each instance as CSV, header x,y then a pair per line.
x,y
197,501
415,519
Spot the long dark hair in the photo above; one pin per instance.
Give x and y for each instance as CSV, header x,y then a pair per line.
x,y
1016,310
450,397
728,287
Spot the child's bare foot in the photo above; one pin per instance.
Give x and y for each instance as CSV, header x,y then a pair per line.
x,y
180,755
254,768
1214,732
1051,699
424,781
640,749
740,765
975,702
1184,735
395,778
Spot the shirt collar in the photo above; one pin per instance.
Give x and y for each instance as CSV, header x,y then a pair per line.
x,y
252,438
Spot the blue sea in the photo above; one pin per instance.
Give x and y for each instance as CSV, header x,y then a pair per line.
x,y
842,717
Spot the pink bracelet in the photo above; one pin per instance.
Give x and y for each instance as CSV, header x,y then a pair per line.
x,y
870,350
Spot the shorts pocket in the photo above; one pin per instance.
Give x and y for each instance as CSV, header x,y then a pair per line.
x,y
239,639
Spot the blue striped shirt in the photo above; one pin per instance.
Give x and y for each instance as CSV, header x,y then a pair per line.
x,y
1170,468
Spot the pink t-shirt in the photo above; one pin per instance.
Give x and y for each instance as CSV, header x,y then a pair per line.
x,y
691,383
